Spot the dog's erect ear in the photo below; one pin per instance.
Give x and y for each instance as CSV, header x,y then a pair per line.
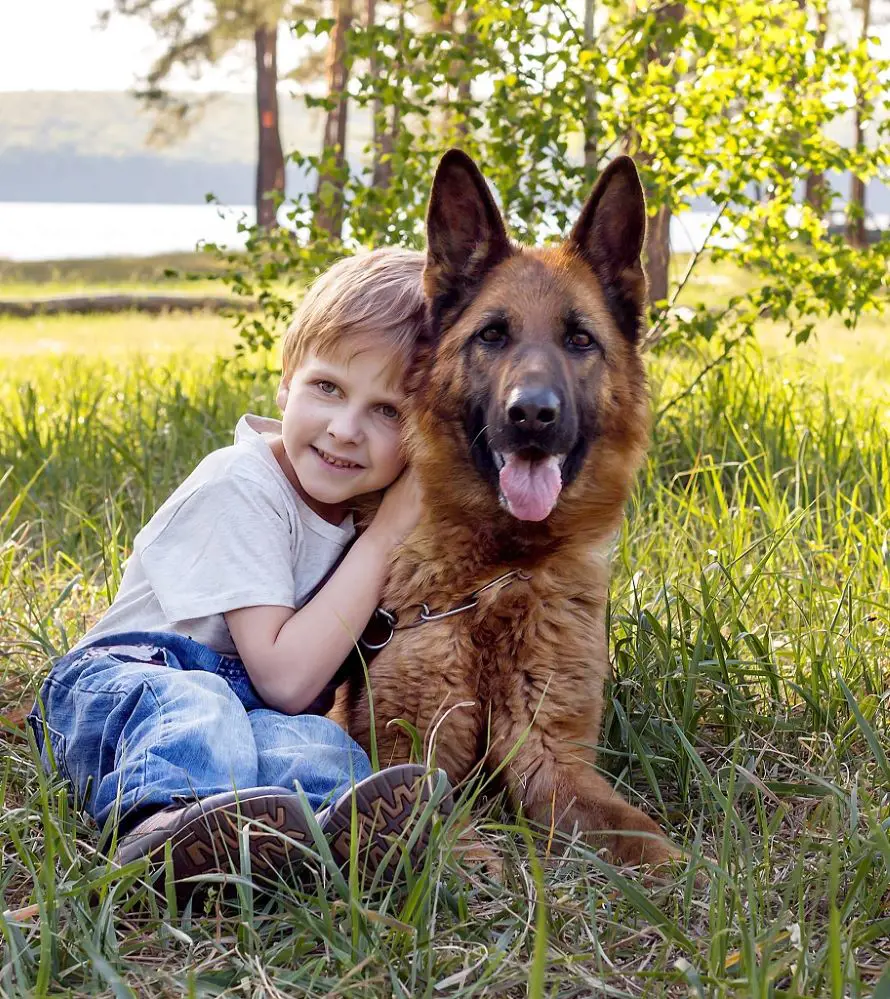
x,y
466,236
609,236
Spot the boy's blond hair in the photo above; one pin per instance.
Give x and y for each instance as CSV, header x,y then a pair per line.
x,y
370,300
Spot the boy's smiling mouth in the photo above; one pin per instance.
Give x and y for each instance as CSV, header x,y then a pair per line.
x,y
332,461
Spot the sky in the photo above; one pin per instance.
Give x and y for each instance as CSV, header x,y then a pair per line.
x,y
57,45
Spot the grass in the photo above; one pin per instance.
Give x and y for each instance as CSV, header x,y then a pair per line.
x,y
750,629
39,278
117,338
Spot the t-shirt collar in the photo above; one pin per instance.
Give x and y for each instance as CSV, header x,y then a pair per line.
x,y
254,430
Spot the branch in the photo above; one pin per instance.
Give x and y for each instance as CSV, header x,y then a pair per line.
x,y
730,346
656,333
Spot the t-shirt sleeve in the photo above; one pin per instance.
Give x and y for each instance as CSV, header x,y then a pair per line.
x,y
223,546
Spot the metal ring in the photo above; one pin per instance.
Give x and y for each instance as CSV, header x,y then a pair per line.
x,y
391,620
377,646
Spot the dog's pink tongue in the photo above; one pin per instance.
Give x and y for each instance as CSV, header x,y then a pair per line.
x,y
531,488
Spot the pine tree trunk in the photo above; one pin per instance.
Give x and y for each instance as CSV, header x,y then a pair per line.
x,y
331,179
856,235
386,133
270,156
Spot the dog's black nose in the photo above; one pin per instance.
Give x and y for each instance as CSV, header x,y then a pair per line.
x,y
533,408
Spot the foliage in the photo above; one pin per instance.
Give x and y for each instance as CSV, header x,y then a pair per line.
x,y
737,115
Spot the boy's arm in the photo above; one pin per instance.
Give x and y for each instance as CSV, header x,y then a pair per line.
x,y
289,655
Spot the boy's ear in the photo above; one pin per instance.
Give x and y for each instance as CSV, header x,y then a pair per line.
x,y
283,392
465,234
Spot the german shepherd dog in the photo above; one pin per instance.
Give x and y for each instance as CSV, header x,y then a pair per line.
x,y
529,417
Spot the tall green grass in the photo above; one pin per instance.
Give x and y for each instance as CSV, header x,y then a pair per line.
x,y
750,630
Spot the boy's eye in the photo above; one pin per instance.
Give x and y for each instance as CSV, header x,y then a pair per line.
x,y
390,412
329,388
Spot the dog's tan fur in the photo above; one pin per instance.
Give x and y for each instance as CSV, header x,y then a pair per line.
x,y
526,666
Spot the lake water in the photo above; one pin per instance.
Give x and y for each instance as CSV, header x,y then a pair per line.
x,y
44,231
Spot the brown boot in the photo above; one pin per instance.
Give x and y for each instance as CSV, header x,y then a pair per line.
x,y
205,836
388,806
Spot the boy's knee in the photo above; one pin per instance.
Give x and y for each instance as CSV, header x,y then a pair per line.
x,y
305,730
202,700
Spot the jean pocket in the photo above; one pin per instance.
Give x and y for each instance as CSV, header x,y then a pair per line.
x,y
150,654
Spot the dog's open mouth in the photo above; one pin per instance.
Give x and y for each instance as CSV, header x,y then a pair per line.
x,y
530,482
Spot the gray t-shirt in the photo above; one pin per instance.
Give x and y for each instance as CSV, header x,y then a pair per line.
x,y
234,534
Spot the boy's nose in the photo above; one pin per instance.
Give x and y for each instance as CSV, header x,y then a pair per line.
x,y
346,427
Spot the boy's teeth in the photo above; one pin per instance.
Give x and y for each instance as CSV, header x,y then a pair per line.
x,y
336,462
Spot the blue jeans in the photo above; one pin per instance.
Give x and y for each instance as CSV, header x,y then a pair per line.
x,y
141,720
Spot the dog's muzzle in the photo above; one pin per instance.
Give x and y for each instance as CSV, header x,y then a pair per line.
x,y
534,411
534,433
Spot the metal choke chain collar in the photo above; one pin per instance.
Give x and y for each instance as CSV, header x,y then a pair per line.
x,y
390,620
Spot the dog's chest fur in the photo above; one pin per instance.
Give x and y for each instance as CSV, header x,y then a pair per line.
x,y
531,645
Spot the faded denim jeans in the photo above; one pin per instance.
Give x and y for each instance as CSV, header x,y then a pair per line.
x,y
143,720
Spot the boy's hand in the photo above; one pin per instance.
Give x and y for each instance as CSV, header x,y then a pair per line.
x,y
400,509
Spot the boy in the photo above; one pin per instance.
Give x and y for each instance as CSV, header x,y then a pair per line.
x,y
181,711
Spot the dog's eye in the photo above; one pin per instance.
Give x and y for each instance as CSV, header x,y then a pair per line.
x,y
493,334
580,340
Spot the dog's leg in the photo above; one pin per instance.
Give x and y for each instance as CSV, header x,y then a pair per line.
x,y
553,780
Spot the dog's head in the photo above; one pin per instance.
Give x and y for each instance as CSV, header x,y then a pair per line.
x,y
531,411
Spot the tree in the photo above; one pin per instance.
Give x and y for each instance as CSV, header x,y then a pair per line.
x,y
200,34
270,156
723,99
817,193
591,152
386,121
666,26
334,167
856,235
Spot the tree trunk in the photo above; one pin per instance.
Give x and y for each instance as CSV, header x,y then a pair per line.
x,y
377,110
464,87
856,235
816,192
591,142
270,156
658,254
381,168
331,178
658,235
386,132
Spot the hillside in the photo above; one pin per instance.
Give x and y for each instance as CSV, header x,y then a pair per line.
x,y
93,147
89,147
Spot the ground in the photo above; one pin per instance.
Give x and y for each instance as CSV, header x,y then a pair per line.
x,y
750,631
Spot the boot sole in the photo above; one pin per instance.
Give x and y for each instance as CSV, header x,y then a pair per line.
x,y
388,806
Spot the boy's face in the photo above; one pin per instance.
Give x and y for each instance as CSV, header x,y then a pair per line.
x,y
341,429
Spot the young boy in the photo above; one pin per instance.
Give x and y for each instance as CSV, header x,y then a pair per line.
x,y
182,711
